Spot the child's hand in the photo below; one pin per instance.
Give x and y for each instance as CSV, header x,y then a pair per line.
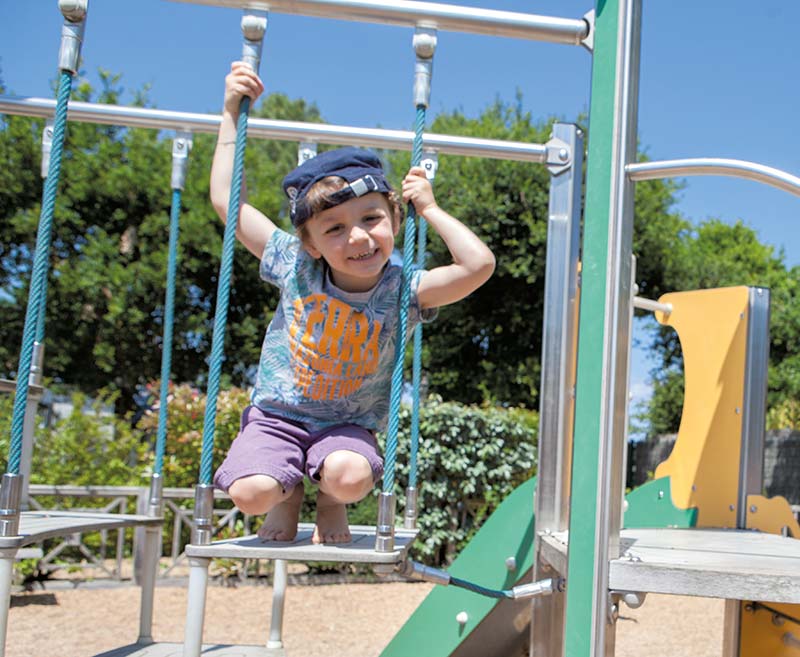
x,y
417,190
241,81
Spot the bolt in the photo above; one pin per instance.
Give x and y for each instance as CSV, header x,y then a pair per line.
x,y
511,563
462,617
738,410
694,487
732,507
661,494
753,508
563,155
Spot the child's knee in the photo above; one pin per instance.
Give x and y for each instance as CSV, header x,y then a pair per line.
x,y
346,475
256,494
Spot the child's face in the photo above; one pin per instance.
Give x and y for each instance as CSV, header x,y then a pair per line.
x,y
356,238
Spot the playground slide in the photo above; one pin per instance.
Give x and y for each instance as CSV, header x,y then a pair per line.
x,y
489,627
499,628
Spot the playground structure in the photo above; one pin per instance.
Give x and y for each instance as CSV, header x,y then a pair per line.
x,y
579,499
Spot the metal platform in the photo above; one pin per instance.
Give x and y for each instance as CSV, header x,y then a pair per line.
x,y
360,550
176,650
35,526
713,563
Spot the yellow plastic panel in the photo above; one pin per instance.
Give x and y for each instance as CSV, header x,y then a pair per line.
x,y
762,637
704,464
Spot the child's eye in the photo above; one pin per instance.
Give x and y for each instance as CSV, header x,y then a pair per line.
x,y
333,229
372,218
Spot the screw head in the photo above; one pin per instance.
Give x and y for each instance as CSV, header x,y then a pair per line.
x,y
563,155
462,617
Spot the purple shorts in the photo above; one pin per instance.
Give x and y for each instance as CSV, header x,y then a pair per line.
x,y
284,450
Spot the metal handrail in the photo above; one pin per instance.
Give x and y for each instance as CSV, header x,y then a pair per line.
x,y
715,166
454,18
295,131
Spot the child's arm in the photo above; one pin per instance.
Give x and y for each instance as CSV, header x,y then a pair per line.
x,y
253,229
473,262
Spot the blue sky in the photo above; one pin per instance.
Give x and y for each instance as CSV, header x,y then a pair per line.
x,y
718,80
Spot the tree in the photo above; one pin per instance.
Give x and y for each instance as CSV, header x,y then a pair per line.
x,y
109,252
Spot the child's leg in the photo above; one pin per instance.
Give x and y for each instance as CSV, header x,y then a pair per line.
x,y
345,477
262,470
345,462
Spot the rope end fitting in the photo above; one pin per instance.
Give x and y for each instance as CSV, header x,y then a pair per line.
x,y
540,588
414,570
10,495
181,147
384,534
410,516
203,511
424,43
74,12
254,26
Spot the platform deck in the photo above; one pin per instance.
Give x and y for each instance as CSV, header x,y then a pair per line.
x,y
36,526
713,563
360,550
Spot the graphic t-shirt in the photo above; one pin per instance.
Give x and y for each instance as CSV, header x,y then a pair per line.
x,y
328,354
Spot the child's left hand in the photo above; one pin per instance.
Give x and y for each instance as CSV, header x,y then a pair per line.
x,y
417,190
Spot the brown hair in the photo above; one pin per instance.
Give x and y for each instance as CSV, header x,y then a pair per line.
x,y
318,198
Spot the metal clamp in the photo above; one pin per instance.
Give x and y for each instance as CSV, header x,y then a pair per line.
x,y
254,25
424,43
307,150
588,41
155,497
410,515
430,162
47,145
559,156
69,53
181,147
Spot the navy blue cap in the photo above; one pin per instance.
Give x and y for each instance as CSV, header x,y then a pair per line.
x,y
359,167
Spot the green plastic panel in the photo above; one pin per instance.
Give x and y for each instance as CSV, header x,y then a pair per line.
x,y
650,505
432,630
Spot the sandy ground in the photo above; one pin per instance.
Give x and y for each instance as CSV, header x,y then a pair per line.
x,y
352,620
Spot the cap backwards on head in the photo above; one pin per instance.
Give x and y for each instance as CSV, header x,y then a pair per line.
x,y
359,167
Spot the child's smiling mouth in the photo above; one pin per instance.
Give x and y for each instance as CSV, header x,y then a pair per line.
x,y
364,256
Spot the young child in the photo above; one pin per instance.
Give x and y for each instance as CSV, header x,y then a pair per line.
x,y
324,377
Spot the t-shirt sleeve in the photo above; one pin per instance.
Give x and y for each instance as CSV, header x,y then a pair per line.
x,y
417,314
279,259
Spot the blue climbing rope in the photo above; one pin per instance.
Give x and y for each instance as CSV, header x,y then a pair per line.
x,y
169,319
36,292
390,458
223,295
416,376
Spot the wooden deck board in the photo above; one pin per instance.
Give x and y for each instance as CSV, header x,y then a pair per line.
x,y
714,563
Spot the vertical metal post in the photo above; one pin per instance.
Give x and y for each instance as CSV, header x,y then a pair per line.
x,y
556,393
751,460
278,596
602,375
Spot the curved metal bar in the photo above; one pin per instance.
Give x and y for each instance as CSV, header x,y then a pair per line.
x,y
409,13
715,166
297,131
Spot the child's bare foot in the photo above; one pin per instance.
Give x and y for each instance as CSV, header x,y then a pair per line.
x,y
331,524
281,522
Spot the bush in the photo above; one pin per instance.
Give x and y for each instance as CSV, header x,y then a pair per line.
x,y
470,459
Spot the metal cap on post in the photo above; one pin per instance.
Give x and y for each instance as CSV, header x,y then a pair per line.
x,y
254,25
10,492
181,147
203,514
72,33
424,43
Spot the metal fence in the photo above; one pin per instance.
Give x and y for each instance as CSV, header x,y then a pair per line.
x,y
107,555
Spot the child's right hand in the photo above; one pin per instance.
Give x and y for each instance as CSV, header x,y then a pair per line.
x,y
241,81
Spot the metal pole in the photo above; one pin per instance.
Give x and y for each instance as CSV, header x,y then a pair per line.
x,y
602,375
278,597
295,131
715,166
408,13
556,393
652,306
